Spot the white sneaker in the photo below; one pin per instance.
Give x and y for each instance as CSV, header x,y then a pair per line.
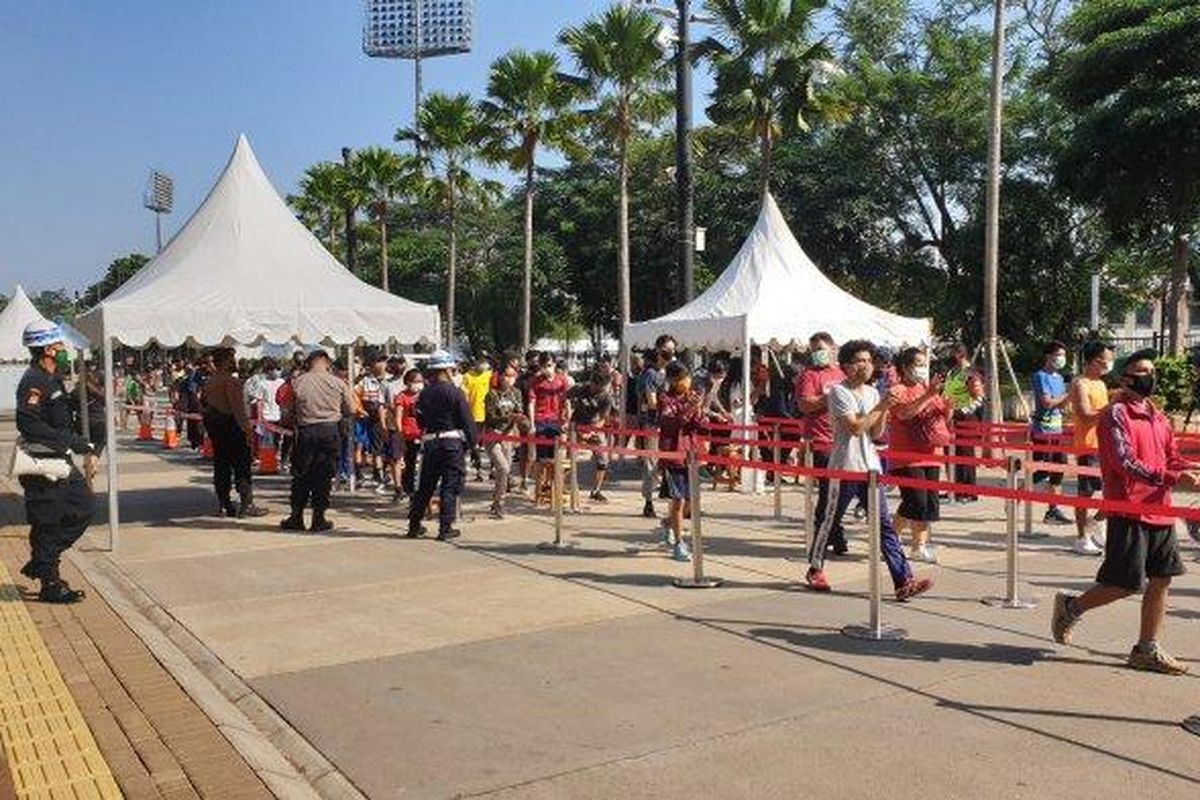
x,y
926,553
383,488
1086,547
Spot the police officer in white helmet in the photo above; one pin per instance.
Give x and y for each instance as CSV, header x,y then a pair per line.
x,y
448,433
58,509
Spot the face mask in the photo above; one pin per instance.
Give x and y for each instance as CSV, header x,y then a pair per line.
x,y
416,387
1107,368
1142,385
920,374
1059,362
820,358
62,360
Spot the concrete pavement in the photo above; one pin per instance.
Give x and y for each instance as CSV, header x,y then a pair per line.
x,y
422,669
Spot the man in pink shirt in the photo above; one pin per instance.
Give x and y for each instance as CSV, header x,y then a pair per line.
x,y
811,390
1139,463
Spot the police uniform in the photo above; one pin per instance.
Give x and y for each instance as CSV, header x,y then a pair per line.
x,y
448,433
58,511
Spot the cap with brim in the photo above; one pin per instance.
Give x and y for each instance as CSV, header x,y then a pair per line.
x,y
42,333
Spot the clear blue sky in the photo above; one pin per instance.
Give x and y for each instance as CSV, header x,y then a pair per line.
x,y
95,92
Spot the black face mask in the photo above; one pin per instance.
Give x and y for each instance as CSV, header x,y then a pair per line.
x,y
1142,385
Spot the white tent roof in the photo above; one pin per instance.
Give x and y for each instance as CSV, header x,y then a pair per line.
x,y
772,293
243,269
16,315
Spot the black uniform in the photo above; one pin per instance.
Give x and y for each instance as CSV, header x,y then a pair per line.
x,y
442,409
58,511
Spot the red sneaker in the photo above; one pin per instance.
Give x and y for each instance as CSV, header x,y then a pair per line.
x,y
816,581
913,587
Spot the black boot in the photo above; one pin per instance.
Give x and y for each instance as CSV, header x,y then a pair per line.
x,y
247,508
56,590
448,534
415,531
319,523
32,570
293,523
227,508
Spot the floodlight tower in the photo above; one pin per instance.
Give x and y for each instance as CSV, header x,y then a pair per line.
x,y
159,197
417,29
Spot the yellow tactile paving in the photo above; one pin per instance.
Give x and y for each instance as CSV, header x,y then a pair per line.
x,y
50,750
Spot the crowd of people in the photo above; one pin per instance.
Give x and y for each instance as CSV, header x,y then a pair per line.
x,y
409,430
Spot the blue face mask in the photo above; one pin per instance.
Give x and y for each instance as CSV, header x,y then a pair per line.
x,y
820,358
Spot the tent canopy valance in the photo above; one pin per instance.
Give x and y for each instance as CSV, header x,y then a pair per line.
x,y
244,270
773,294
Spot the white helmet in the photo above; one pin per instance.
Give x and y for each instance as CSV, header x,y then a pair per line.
x,y
441,359
41,333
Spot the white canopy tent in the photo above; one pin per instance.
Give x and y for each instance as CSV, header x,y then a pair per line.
x,y
14,356
772,294
244,270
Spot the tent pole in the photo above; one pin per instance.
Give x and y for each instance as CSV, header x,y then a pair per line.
x,y
110,437
81,377
746,401
350,374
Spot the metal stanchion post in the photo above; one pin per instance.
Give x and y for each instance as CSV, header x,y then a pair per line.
x,y
777,484
557,494
1027,485
809,482
698,579
874,630
573,463
1012,598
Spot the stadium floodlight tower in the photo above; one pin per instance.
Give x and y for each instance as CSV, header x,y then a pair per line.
x,y
159,197
417,29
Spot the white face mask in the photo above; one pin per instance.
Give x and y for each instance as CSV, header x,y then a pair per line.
x,y
820,358
1059,362
1108,367
920,373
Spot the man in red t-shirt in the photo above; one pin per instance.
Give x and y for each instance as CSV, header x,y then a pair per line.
x,y
550,411
810,393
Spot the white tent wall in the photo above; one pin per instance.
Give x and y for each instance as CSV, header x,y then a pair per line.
x,y
243,270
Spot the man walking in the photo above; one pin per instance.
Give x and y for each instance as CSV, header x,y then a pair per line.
x,y
858,416
319,401
448,433
1050,397
1139,463
811,394
228,426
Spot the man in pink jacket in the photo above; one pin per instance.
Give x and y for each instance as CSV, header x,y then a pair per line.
x,y
1139,463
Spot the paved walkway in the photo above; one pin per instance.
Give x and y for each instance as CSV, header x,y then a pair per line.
x,y
490,667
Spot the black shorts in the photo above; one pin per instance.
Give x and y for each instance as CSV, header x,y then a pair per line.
x,y
674,484
919,505
393,446
1053,478
1087,485
1134,551
546,430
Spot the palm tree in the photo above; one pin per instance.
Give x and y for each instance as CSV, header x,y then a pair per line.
x,y
529,105
378,177
449,131
617,52
767,70
322,199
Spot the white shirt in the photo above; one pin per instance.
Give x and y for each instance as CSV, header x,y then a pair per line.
x,y
852,453
268,388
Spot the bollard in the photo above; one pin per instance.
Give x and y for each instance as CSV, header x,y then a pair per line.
x,y
778,482
1192,724
573,461
808,493
1012,598
557,493
698,579
874,630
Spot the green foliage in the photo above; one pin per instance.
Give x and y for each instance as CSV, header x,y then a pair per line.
x,y
119,271
1176,379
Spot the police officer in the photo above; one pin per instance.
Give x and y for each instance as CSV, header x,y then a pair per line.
x,y
448,433
319,401
58,510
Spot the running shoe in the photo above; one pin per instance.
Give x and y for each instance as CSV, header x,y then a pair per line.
x,y
598,497
383,488
1054,516
496,511
926,553
913,587
1156,660
1062,621
816,580
1085,547
681,552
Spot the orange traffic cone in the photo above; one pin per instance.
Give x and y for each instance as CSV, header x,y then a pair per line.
x,y
145,433
206,448
170,434
268,458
